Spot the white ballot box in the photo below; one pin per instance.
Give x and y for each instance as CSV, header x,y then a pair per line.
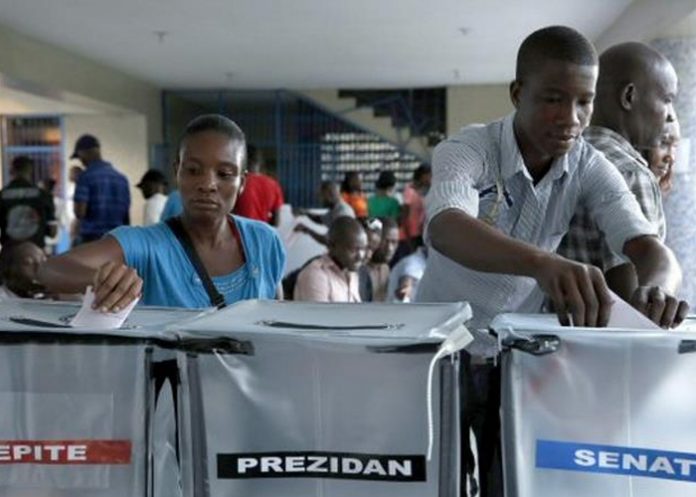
x,y
76,405
606,412
330,400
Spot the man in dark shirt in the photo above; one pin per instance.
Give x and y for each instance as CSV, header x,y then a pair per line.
x,y
27,212
102,196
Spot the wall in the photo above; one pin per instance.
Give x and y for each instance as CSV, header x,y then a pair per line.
x,y
679,203
124,144
58,73
476,104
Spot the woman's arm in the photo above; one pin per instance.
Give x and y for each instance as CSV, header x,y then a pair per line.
x,y
100,264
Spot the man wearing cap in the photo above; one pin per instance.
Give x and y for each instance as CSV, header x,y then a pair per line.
x,y
153,185
102,196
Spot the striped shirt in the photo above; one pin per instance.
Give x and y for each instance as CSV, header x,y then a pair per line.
x,y
480,171
584,241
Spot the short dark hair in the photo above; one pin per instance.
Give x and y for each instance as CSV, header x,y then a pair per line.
x,y
343,228
557,43
22,164
219,124
385,180
252,154
421,171
345,184
388,223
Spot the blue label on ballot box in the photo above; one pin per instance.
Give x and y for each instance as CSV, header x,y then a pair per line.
x,y
617,460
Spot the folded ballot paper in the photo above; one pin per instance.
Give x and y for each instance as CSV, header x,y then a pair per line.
x,y
94,318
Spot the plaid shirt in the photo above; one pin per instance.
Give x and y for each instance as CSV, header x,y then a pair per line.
x,y
584,241
107,195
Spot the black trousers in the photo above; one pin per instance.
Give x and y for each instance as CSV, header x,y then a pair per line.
x,y
480,413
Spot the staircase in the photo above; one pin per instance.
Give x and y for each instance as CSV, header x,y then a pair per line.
x,y
379,112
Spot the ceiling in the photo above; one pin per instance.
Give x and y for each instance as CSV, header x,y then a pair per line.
x,y
304,43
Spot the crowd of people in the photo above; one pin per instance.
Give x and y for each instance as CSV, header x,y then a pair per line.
x,y
523,214
555,207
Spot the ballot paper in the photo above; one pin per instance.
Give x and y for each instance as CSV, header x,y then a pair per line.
x,y
623,315
94,318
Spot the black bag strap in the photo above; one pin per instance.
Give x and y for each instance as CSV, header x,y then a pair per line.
x,y
177,228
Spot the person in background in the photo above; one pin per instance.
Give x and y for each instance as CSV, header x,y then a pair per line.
x,y
378,266
153,185
19,265
373,228
330,198
68,218
27,212
413,210
245,259
383,204
352,193
173,206
661,157
102,195
262,196
49,186
405,276
501,199
333,277
635,91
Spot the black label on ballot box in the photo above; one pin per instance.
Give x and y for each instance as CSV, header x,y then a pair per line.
x,y
351,466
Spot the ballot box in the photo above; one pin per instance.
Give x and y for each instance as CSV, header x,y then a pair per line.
x,y
328,400
77,405
607,412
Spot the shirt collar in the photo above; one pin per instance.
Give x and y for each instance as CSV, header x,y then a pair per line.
x,y
330,264
512,162
97,162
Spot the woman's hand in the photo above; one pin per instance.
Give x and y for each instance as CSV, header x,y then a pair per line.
x,y
115,286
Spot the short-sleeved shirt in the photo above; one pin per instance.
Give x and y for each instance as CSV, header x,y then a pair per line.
x,y
584,241
169,278
152,210
358,202
173,206
25,213
106,193
383,206
416,211
261,198
323,281
480,171
341,209
411,266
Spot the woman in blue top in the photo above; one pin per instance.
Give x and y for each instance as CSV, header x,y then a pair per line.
x,y
244,258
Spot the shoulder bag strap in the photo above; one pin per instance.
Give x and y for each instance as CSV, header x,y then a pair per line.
x,y
177,228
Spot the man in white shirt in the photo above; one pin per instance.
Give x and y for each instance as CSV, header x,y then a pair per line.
x,y
501,199
153,185
503,195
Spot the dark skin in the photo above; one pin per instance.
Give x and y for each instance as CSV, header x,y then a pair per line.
x,y
329,196
150,188
210,176
348,250
554,105
635,96
422,184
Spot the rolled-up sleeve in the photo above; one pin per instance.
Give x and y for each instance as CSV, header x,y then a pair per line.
x,y
456,166
612,205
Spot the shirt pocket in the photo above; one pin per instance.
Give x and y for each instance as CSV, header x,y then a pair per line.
x,y
494,209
